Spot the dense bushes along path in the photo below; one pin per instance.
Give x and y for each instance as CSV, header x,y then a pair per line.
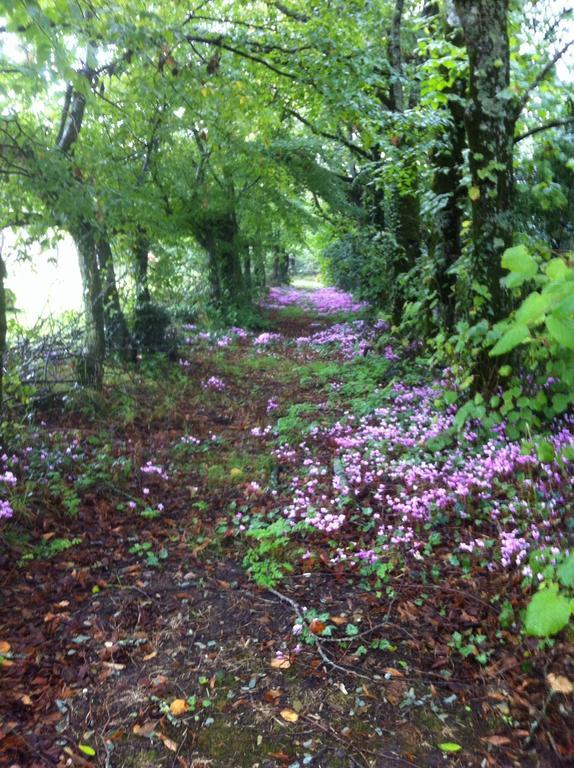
x,y
278,552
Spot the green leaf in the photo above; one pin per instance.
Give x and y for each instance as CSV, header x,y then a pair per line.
x,y
519,261
565,572
474,193
533,308
512,338
449,746
561,329
548,612
556,269
87,750
545,452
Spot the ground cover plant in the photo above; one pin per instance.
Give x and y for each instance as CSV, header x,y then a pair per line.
x,y
324,568
286,383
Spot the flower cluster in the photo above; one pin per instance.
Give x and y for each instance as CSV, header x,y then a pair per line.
x,y
324,301
213,383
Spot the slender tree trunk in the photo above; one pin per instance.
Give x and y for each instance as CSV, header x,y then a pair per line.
x,y
92,366
3,328
141,255
405,203
490,120
280,266
117,331
448,161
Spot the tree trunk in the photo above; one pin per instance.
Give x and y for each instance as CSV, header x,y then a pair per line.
x,y
219,236
490,119
141,254
3,329
405,201
280,266
92,366
117,331
448,161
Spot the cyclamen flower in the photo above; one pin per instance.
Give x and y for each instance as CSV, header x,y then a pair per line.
x,y
213,383
6,510
272,405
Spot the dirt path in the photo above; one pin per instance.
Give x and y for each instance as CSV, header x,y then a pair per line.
x,y
146,644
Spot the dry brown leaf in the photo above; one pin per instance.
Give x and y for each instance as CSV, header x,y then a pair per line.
x,y
26,700
150,656
178,707
290,715
4,647
280,663
317,626
272,695
338,620
559,683
167,743
497,741
393,672
146,729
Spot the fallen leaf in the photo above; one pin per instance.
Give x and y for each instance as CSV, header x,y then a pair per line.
x,y
449,746
146,729
87,750
280,663
338,620
272,695
4,647
496,741
167,743
290,715
178,707
393,672
559,683
281,757
317,626
150,656
26,700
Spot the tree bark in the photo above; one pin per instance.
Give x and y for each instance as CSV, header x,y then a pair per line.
x,y
3,329
219,237
118,336
448,161
92,366
490,119
405,202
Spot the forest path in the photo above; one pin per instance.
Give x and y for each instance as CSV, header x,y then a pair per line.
x,y
146,644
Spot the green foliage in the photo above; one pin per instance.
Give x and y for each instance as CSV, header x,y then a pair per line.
x,y
267,561
548,613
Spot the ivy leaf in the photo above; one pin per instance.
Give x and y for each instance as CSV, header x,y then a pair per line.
x,y
548,612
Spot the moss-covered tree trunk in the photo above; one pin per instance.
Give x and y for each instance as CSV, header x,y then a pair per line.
x,y
490,119
405,204
92,366
280,267
448,161
220,238
3,329
117,332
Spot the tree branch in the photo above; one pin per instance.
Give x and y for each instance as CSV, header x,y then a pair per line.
x,y
219,43
542,75
543,127
332,136
296,15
